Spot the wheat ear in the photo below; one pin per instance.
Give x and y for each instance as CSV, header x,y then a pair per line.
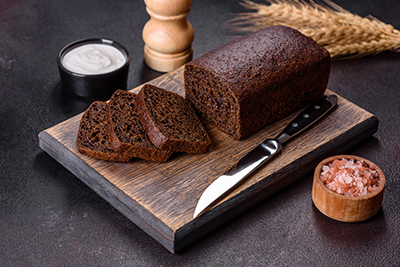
x,y
340,31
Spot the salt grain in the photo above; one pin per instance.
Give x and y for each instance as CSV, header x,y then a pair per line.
x,y
349,177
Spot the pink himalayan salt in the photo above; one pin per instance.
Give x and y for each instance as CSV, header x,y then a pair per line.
x,y
349,177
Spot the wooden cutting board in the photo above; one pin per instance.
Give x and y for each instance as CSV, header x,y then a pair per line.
x,y
161,198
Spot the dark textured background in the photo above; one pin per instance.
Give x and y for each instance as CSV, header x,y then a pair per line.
x,y
49,218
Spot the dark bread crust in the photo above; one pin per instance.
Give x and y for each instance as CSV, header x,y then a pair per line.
x,y
256,80
170,121
126,132
93,138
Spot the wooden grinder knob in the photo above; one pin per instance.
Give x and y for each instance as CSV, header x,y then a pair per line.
x,y
168,36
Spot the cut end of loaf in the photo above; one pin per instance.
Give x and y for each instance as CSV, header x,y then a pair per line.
x,y
219,107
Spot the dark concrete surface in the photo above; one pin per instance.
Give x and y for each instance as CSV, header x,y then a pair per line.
x,y
49,218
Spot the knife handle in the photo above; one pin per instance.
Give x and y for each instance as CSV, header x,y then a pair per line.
x,y
307,117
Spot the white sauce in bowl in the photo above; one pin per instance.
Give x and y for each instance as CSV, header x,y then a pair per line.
x,y
93,59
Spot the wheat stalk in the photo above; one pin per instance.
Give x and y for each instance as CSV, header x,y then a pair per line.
x,y
341,32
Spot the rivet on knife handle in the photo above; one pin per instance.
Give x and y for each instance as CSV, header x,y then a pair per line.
x,y
224,184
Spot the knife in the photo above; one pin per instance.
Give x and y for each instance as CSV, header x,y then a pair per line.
x,y
246,166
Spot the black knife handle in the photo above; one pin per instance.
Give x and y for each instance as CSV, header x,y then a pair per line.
x,y
307,117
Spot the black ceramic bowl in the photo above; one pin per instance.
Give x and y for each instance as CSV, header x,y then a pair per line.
x,y
93,86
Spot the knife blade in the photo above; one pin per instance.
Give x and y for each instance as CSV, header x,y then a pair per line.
x,y
247,165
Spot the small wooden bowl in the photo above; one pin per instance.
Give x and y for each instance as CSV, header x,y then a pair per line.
x,y
346,208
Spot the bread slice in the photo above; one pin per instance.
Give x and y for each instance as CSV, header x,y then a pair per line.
x,y
126,133
93,139
170,121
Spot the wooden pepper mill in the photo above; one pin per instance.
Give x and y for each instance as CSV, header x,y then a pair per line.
x,y
168,35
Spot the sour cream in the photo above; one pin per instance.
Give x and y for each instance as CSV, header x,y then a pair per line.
x,y
93,59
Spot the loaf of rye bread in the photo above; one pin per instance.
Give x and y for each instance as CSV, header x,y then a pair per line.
x,y
126,132
93,139
253,81
170,121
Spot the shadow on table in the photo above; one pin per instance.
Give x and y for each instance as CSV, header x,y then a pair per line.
x,y
350,234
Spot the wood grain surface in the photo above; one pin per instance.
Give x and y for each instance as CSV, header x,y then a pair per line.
x,y
161,197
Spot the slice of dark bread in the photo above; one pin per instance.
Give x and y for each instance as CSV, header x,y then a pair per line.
x,y
93,139
170,121
126,133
